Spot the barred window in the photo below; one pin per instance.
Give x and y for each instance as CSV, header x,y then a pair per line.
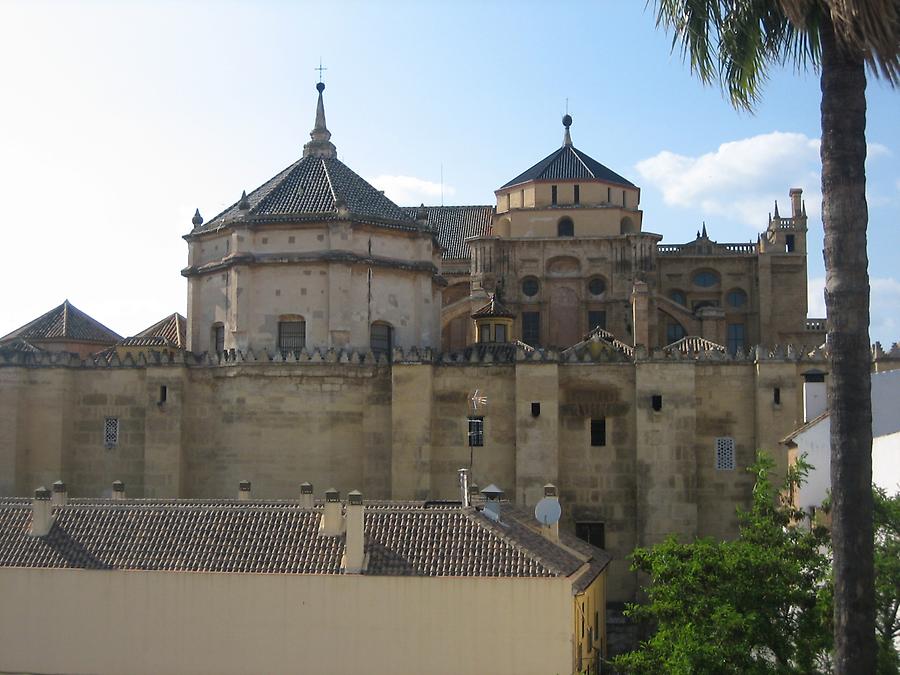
x,y
725,460
291,335
110,432
380,338
476,432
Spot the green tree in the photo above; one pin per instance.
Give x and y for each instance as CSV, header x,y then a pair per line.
x,y
758,604
733,42
887,581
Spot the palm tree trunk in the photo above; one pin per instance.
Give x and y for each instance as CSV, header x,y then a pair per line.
x,y
845,216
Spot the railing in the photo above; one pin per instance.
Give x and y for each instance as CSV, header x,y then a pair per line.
x,y
713,249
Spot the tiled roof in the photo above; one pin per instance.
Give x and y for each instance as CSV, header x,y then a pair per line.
x,y
494,308
454,224
172,329
603,337
19,345
693,343
312,187
402,539
65,322
569,163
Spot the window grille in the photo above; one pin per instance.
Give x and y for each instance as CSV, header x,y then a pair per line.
x,y
380,340
597,286
476,432
218,339
291,335
596,319
499,333
592,533
110,432
531,328
735,337
725,460
674,332
530,286
565,227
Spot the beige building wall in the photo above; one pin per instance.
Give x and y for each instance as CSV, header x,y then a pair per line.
x,y
188,622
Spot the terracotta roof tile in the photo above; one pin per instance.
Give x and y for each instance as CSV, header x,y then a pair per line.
x,y
65,322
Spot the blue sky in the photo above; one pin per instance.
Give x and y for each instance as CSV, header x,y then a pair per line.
x,y
119,119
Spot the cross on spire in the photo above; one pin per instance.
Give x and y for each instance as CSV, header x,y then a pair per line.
x,y
321,69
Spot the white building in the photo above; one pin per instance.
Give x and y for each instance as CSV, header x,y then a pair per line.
x,y
813,438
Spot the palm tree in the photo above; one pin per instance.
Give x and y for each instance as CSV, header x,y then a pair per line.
x,y
733,42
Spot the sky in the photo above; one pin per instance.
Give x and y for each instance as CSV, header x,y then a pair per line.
x,y
118,119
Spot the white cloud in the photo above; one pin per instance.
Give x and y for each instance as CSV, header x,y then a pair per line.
x,y
884,307
740,180
877,150
411,191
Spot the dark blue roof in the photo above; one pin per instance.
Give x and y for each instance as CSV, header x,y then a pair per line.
x,y
569,163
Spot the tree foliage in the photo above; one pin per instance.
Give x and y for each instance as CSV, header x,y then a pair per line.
x,y
761,603
758,604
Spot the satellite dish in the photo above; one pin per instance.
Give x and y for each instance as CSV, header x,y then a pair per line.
x,y
547,511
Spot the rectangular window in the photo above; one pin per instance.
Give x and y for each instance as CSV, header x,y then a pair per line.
x,y
725,460
110,432
163,393
476,432
291,335
735,337
577,194
218,339
499,333
609,195
553,194
656,402
380,338
592,533
531,328
789,243
598,432
596,319
623,197
484,333
776,396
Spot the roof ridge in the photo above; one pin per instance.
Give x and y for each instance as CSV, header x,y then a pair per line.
x,y
328,178
577,154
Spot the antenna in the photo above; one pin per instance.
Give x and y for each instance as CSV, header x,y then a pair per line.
x,y
547,511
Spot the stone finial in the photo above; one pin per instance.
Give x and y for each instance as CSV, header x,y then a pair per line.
x,y
320,145
422,213
244,204
567,122
197,220
776,209
705,236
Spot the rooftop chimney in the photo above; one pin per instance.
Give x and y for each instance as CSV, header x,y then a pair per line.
x,y
244,491
306,495
60,495
492,495
355,548
796,202
332,523
41,522
118,491
464,485
815,395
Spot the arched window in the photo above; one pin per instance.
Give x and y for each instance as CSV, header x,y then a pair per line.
x,y
626,225
565,227
381,338
737,298
217,338
706,278
597,286
530,287
679,297
291,333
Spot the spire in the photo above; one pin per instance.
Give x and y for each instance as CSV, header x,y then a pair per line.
x,y
197,220
776,209
320,145
567,122
705,236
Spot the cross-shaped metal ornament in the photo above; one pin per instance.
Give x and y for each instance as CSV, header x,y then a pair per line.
x,y
321,69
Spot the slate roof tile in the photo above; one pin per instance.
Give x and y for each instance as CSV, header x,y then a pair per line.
x,y
454,224
312,186
65,322
569,163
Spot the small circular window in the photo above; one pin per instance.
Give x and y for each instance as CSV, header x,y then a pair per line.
x,y
737,298
706,279
530,287
597,286
679,297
